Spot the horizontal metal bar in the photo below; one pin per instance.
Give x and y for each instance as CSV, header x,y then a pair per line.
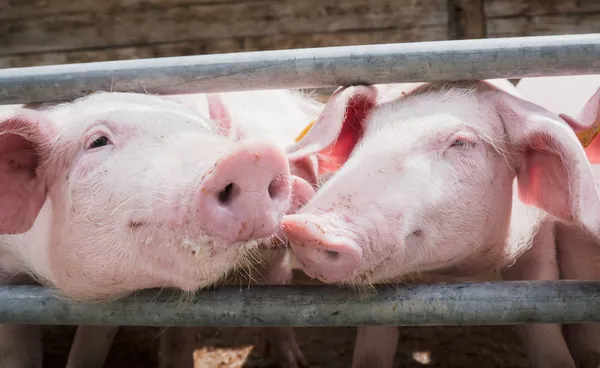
x,y
310,68
438,304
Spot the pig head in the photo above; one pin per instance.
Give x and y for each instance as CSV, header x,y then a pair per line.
x,y
117,192
425,181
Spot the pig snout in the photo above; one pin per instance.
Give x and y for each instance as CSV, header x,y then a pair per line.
x,y
322,253
246,193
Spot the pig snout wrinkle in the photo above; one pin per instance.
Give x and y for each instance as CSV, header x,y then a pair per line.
x,y
328,257
246,193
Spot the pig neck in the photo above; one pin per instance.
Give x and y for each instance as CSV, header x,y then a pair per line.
x,y
28,253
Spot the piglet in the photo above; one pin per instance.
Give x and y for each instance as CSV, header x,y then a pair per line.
x,y
118,192
576,251
279,116
425,187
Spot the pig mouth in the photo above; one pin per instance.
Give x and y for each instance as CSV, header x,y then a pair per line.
x,y
324,255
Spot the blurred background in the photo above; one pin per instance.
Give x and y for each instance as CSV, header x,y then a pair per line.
x,y
42,32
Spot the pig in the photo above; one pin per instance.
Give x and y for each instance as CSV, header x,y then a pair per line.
x,y
279,116
576,251
118,192
432,181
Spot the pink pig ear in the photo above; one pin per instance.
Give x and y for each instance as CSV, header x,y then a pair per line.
x,y
338,129
220,115
553,172
590,120
576,125
24,135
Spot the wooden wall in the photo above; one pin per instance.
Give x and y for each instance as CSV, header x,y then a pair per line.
x,y
35,32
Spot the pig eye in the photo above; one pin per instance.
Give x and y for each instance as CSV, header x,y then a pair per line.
x,y
98,142
463,141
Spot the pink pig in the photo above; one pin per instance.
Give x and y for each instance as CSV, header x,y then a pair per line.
x,y
118,192
426,187
278,116
576,252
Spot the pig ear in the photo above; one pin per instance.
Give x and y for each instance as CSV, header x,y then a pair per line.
x,y
576,125
589,134
24,135
553,172
338,128
220,115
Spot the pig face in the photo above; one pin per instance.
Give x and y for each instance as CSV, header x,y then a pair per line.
x,y
427,179
141,193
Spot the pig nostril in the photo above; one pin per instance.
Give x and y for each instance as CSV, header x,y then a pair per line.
x,y
276,187
332,255
228,193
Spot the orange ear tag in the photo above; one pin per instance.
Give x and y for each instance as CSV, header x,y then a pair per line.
x,y
305,130
587,136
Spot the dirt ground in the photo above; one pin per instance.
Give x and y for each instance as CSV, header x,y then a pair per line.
x,y
137,347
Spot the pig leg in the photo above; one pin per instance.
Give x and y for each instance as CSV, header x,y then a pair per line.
x,y
375,347
20,346
544,343
177,346
577,257
281,341
91,346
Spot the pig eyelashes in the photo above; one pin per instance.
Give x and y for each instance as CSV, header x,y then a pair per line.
x,y
462,140
98,141
459,143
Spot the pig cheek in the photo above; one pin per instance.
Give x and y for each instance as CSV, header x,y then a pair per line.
x,y
82,255
87,267
480,203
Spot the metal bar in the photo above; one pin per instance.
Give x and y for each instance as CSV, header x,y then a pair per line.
x,y
437,304
310,68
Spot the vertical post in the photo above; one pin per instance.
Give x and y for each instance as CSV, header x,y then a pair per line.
x,y
466,19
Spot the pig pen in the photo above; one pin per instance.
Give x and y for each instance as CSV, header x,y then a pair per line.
x,y
484,346
234,347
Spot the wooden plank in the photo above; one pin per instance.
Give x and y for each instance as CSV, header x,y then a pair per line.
x,y
228,45
146,26
31,9
544,25
518,8
466,19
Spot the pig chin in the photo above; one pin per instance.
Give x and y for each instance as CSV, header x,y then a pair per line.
x,y
200,260
152,257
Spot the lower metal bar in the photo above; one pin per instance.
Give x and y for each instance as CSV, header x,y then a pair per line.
x,y
438,304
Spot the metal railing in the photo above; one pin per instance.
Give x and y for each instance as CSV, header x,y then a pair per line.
x,y
310,68
487,303
440,304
